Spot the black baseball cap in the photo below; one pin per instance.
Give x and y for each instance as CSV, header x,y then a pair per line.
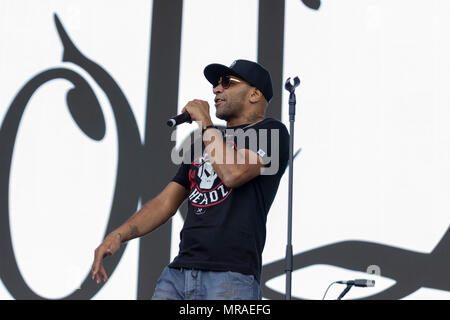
x,y
250,71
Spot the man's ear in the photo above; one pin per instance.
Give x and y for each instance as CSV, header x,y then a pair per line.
x,y
256,95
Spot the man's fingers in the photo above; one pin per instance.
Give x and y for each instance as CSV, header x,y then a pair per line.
x,y
97,260
107,248
95,270
103,273
97,267
98,271
100,274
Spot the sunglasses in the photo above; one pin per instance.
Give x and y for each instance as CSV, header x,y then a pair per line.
x,y
226,81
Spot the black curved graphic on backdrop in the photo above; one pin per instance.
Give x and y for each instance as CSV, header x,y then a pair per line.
x,y
86,112
126,193
411,270
312,4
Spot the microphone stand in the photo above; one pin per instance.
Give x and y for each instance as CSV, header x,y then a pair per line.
x,y
289,255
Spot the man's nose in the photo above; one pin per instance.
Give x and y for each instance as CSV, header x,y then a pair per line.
x,y
218,89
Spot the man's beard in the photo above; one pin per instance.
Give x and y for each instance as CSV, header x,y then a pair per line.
x,y
231,109
226,112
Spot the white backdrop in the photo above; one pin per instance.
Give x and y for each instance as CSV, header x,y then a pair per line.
x,y
372,113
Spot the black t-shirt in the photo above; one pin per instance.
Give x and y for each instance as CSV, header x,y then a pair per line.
x,y
225,228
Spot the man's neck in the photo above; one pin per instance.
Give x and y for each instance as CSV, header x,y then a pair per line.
x,y
248,119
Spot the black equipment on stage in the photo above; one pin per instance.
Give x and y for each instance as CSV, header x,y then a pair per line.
x,y
289,255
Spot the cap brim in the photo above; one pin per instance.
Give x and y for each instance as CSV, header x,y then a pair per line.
x,y
213,71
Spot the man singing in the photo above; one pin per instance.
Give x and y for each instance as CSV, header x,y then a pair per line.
x,y
230,188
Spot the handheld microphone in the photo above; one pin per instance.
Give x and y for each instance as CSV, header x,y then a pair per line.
x,y
358,282
179,119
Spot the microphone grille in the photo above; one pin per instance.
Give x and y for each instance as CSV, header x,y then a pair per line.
x,y
171,122
370,283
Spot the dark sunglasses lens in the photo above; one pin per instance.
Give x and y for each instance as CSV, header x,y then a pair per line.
x,y
225,82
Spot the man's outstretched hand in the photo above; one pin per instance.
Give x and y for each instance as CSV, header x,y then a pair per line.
x,y
110,245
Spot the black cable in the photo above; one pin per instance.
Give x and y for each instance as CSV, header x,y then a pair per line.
x,y
327,289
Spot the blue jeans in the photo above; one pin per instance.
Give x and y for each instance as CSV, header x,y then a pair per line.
x,y
192,284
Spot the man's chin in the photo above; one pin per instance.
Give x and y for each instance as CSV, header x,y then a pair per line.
x,y
221,116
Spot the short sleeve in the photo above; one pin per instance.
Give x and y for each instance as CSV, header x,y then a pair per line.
x,y
182,176
269,139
